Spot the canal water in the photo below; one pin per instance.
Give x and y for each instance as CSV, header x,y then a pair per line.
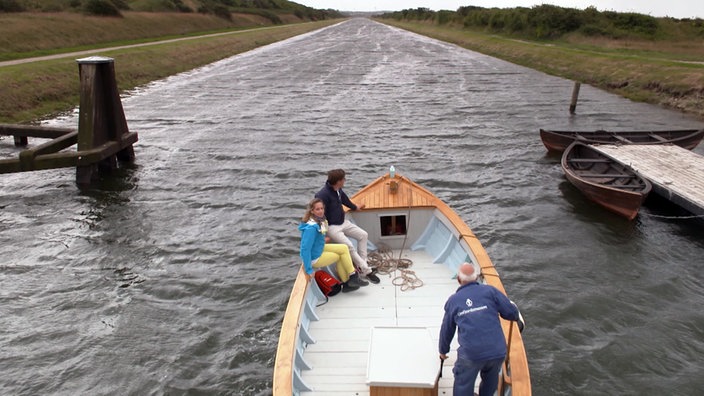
x,y
172,276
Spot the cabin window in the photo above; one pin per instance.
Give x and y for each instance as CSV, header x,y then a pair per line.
x,y
392,225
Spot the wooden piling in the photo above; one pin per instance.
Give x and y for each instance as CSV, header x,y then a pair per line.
x,y
575,95
101,116
102,138
21,141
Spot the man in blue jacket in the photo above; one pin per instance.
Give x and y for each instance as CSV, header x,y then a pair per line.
x,y
474,309
341,229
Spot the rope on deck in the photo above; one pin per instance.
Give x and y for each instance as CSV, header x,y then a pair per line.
x,y
382,259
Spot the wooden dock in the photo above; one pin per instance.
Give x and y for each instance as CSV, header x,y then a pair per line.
x,y
677,174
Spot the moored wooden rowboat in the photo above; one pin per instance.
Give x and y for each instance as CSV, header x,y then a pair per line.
x,y
605,181
343,345
558,141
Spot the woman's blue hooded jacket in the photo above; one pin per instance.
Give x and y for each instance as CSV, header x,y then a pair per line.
x,y
312,244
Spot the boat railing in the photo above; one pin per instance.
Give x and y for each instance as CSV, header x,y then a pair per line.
x,y
300,312
442,244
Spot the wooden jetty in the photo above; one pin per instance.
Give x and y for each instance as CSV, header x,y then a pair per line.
x,y
102,138
676,173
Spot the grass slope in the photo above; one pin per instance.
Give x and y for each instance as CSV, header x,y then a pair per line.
x,y
665,73
32,91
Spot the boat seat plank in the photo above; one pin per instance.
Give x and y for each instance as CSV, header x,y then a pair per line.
x,y
605,175
628,187
589,160
657,137
621,138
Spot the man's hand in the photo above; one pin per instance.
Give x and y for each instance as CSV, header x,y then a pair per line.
x,y
443,356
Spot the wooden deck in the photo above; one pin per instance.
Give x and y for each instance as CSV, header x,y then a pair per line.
x,y
339,356
676,173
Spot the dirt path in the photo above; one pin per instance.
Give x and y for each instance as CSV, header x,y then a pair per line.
x,y
97,50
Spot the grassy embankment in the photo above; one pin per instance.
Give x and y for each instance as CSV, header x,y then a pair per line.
x,y
666,72
31,91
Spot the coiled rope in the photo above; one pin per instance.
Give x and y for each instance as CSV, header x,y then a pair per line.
x,y
384,262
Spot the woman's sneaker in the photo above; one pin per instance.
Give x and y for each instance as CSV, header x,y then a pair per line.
x,y
346,287
356,281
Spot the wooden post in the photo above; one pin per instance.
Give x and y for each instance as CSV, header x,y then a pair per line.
x,y
101,116
102,137
575,95
21,141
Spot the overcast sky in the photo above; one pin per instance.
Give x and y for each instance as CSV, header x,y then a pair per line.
x,y
656,8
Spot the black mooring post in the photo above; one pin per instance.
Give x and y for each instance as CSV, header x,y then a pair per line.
x,y
21,141
575,95
101,116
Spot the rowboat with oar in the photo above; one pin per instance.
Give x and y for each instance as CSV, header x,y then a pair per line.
x,y
383,338
558,141
604,180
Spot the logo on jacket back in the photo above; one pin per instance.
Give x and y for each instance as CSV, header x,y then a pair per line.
x,y
470,310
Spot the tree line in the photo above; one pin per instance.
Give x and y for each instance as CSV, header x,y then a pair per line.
x,y
553,22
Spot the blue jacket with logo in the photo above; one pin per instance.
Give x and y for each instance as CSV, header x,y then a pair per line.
x,y
312,244
474,310
333,204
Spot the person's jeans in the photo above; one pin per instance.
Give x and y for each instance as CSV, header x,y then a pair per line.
x,y
341,234
466,371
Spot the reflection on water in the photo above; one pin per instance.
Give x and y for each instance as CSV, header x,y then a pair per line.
x,y
172,276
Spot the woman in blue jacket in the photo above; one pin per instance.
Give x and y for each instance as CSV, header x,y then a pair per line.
x,y
315,253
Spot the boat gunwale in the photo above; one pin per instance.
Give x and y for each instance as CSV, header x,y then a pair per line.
x,y
286,349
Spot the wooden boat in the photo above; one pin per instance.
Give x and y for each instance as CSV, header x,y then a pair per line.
x,y
352,343
605,181
558,141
